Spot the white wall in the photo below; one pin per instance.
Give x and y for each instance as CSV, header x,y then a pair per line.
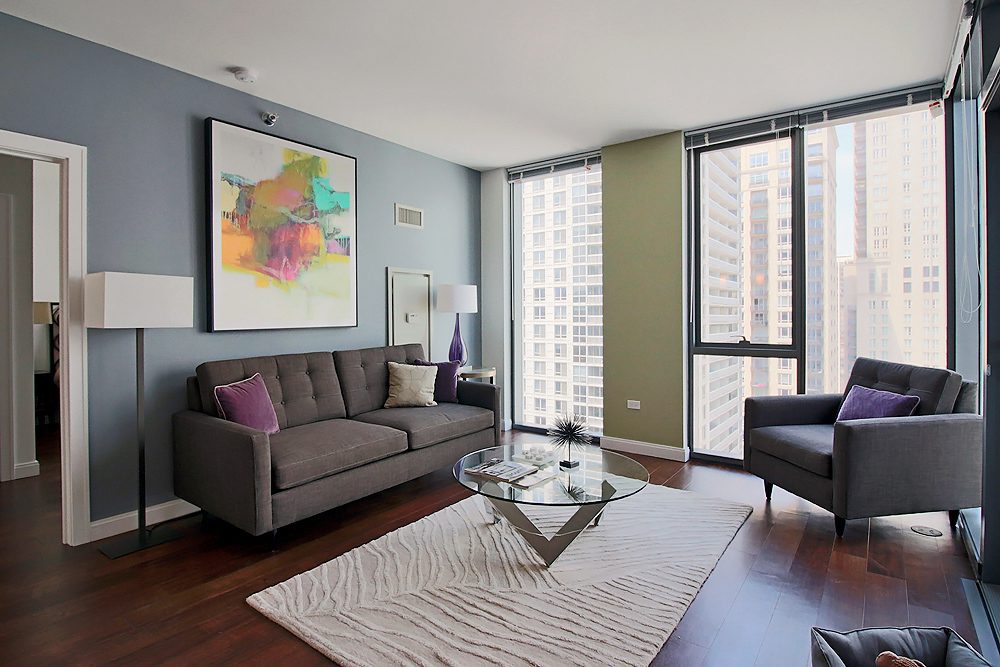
x,y
15,180
45,231
44,251
495,283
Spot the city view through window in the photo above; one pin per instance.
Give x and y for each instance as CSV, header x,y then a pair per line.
x,y
560,314
875,273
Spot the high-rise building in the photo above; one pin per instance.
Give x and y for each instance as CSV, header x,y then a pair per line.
x,y
562,337
746,271
899,250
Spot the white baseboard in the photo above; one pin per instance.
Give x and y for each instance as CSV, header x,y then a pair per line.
x,y
681,454
128,521
22,470
507,425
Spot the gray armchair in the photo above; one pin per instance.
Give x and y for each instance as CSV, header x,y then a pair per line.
x,y
862,468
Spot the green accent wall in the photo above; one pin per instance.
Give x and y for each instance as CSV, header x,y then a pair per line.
x,y
643,188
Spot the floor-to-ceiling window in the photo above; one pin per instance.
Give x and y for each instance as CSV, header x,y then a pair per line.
x,y
812,247
558,290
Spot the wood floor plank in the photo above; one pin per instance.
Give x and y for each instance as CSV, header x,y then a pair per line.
x,y
183,602
885,601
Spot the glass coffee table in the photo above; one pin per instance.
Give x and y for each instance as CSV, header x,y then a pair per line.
x,y
601,477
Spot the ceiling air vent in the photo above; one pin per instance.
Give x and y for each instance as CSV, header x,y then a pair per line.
x,y
407,216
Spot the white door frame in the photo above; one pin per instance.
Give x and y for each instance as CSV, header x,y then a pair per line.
x,y
75,452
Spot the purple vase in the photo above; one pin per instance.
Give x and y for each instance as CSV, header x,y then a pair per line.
x,y
457,350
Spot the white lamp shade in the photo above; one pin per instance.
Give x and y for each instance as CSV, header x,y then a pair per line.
x,y
138,301
458,298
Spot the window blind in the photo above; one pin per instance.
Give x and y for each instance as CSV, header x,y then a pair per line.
x,y
553,166
756,127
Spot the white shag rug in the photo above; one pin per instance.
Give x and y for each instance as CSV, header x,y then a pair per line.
x,y
454,589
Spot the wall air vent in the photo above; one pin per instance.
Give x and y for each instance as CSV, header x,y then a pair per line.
x,y
408,216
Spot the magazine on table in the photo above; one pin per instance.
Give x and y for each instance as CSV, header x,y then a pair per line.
x,y
501,471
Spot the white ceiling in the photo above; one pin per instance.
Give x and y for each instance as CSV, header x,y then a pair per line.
x,y
490,83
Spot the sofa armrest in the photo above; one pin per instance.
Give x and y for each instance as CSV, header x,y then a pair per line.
x,y
483,395
902,465
224,468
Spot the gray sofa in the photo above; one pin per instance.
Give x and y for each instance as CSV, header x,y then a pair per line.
x,y
862,468
336,442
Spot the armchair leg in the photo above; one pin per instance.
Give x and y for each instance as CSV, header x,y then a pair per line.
x,y
953,517
768,487
839,523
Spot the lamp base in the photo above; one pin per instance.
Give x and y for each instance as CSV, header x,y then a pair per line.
x,y
130,543
457,351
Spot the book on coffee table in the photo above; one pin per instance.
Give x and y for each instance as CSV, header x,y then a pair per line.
x,y
504,471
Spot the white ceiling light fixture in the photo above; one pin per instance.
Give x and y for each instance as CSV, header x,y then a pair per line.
x,y
245,74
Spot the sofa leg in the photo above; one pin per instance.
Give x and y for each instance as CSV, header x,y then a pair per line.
x,y
768,487
274,540
839,523
953,517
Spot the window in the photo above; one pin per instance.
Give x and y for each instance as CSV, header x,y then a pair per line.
x,y
558,268
859,274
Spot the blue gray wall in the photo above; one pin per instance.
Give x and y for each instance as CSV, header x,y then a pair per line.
x,y
142,124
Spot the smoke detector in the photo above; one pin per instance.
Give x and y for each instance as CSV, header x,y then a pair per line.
x,y
244,74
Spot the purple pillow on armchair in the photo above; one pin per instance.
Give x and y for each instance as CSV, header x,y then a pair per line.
x,y
247,402
865,403
446,382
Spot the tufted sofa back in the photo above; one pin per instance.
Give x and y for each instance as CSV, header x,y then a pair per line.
x,y
364,374
937,388
304,388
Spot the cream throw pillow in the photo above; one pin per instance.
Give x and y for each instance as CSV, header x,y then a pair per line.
x,y
411,386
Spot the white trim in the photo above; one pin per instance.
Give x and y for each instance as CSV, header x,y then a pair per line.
x,y
7,361
669,452
507,424
22,470
74,435
129,521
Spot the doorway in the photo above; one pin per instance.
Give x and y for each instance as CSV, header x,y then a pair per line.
x,y
62,342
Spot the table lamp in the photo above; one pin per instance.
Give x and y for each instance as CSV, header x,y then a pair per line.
x,y
138,301
458,299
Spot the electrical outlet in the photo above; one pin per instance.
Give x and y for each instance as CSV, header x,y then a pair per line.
x,y
632,405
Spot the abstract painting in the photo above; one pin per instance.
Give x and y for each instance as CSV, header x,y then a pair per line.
x,y
283,232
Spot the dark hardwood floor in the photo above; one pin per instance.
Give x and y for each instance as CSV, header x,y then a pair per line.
x,y
183,602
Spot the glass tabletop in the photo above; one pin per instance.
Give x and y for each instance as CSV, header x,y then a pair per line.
x,y
601,477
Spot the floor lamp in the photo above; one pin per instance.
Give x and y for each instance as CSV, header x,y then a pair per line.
x,y
138,301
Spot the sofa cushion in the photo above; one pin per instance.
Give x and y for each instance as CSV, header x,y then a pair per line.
x,y
410,386
304,388
429,426
247,402
935,647
364,375
937,387
807,446
311,451
446,381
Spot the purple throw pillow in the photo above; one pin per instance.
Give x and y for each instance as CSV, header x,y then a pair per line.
x,y
865,403
247,402
446,382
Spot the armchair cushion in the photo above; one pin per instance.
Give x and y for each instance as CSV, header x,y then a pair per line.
x,y
937,387
808,446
